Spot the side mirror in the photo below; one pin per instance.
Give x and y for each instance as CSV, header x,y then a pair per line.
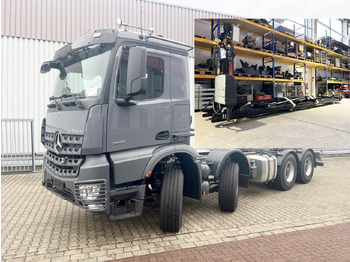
x,y
136,77
45,67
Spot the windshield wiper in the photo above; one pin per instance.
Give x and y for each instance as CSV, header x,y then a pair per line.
x,y
75,97
56,103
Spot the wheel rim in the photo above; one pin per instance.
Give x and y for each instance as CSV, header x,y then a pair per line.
x,y
308,166
289,171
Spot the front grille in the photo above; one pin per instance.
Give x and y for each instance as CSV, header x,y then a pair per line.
x,y
71,144
100,200
66,166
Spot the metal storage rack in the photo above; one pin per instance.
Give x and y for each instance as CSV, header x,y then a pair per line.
x,y
271,34
203,90
333,68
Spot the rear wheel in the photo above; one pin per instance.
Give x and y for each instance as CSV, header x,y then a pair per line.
x,y
286,173
306,168
228,187
170,217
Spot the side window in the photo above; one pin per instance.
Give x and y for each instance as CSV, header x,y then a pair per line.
x,y
121,76
179,74
154,81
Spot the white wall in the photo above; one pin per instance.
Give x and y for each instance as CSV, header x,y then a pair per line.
x,y
24,91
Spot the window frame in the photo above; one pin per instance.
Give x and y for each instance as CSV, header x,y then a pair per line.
x,y
151,53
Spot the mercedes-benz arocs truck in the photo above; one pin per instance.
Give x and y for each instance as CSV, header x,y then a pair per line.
x,y
117,133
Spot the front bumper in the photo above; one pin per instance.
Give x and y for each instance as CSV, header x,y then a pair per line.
x,y
119,203
94,171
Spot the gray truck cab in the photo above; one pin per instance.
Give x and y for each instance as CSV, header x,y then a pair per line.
x,y
117,133
119,108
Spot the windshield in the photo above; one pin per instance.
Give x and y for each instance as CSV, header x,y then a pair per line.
x,y
86,71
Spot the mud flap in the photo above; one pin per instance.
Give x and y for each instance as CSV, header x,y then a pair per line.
x,y
243,180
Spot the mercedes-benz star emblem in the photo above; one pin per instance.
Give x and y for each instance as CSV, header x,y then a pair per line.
x,y
58,143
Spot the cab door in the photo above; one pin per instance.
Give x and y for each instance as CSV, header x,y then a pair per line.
x,y
146,121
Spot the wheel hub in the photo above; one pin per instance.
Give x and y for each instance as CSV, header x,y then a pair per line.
x,y
308,167
289,171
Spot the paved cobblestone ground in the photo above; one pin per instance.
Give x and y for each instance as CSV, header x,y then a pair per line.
x,y
39,226
329,243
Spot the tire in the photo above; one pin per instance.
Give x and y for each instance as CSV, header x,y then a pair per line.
x,y
269,184
228,187
286,173
170,215
307,165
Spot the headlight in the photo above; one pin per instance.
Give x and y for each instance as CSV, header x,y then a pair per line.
x,y
89,192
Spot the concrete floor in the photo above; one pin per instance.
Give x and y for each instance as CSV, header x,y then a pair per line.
x,y
326,127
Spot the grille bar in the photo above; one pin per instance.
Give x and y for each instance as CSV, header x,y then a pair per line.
x,y
62,160
63,165
72,144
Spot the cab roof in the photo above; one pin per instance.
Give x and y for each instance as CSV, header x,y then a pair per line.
x,y
111,36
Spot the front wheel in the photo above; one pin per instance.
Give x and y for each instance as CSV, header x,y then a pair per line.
x,y
170,217
307,165
286,173
228,187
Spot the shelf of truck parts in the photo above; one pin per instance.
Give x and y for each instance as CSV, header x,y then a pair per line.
x,y
255,29
244,78
260,30
247,78
324,66
288,60
248,52
199,76
204,44
333,68
251,26
316,65
289,80
331,82
337,55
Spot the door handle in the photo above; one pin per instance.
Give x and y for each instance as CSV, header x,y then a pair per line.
x,y
163,135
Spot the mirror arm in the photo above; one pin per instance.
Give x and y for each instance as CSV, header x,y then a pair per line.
x,y
124,102
128,98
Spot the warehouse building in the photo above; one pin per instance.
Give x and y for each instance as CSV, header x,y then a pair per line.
x,y
33,30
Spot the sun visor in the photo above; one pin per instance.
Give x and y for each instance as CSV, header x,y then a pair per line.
x,y
106,36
